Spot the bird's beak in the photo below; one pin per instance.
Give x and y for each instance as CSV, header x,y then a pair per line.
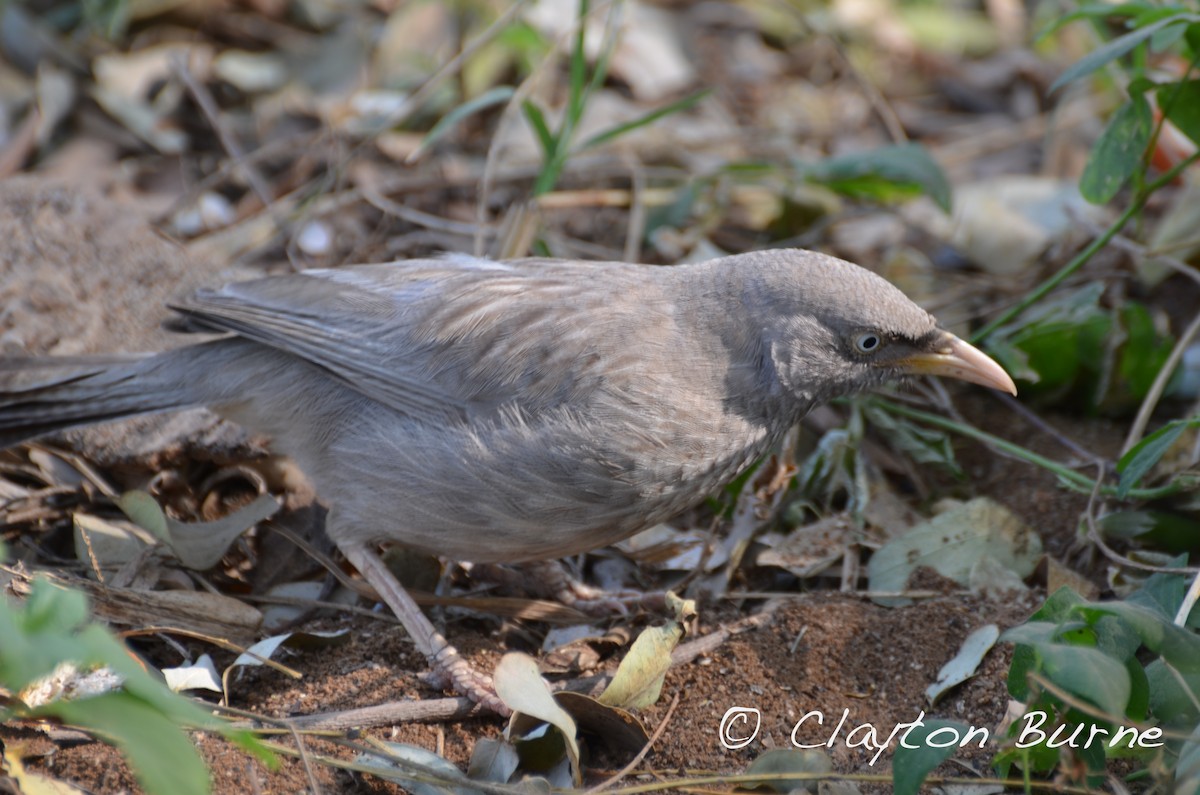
x,y
958,359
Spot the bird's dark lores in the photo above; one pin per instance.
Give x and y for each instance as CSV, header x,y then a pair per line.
x,y
505,411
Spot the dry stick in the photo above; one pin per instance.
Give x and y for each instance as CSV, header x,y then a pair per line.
x,y
83,467
798,596
373,748
320,604
419,218
1179,245
637,760
1037,422
1116,557
878,102
325,561
438,780
1094,712
213,114
227,645
457,708
21,144
301,142
1189,601
1160,385
302,750
87,542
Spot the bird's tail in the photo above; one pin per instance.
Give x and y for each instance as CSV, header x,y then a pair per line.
x,y
44,395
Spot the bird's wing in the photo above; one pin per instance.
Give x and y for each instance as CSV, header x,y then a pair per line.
x,y
449,339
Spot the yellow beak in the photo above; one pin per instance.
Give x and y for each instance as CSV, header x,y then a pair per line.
x,y
958,359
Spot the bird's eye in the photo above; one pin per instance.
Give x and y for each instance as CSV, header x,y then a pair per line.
x,y
868,343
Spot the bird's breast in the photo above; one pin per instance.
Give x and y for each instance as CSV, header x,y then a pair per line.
x,y
534,490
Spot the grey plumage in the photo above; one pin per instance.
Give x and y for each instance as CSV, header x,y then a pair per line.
x,y
513,411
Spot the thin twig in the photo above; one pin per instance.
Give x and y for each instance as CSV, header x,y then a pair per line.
x,y
878,102
1146,410
1095,536
418,97
229,143
1189,601
637,760
1069,476
419,218
302,750
1037,422
1077,262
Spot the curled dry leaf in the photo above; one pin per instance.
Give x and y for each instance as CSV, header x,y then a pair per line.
x,y
639,679
522,689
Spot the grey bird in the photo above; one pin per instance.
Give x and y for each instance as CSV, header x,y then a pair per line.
x,y
512,411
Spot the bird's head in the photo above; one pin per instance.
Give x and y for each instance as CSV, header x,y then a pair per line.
x,y
834,328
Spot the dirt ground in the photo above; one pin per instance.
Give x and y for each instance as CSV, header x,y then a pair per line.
x,y
821,651
851,655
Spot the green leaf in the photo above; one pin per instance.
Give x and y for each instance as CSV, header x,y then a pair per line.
x,y
1119,151
1142,457
809,765
1145,351
1066,342
1042,627
885,173
1180,102
1163,530
1187,770
1163,593
1178,646
911,765
648,118
537,120
1032,632
1139,694
578,66
50,627
921,444
160,753
1101,11
1173,696
1087,673
1116,48
494,96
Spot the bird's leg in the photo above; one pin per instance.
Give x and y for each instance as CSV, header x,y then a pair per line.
x,y
550,579
447,663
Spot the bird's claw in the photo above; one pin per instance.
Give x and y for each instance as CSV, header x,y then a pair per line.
x,y
451,672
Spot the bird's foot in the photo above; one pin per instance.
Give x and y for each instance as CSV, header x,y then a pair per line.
x,y
450,670
550,580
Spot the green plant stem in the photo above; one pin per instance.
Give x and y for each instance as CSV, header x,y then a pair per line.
x,y
1077,262
1068,475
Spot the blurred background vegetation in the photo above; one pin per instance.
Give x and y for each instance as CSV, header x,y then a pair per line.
x,y
1025,170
